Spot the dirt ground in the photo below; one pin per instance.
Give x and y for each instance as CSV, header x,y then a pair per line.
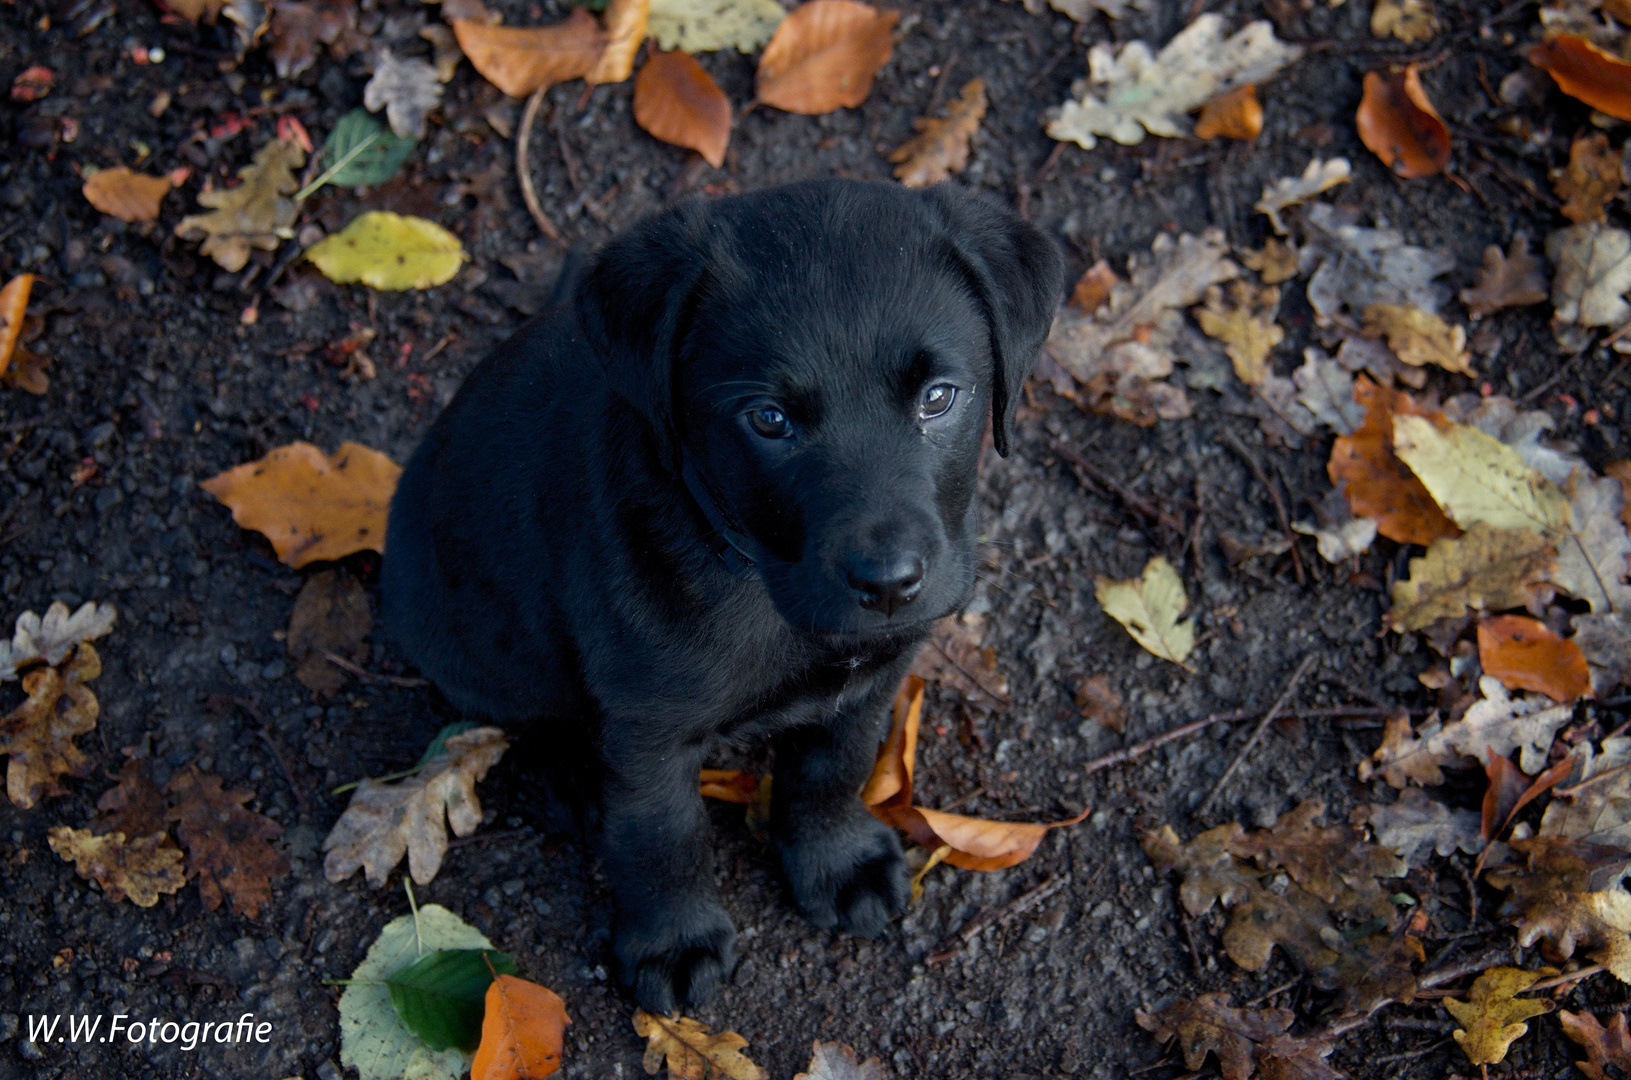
x,y
156,379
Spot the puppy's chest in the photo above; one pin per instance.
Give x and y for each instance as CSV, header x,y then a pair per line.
x,y
800,693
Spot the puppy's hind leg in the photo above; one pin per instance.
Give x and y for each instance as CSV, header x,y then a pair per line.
x,y
844,866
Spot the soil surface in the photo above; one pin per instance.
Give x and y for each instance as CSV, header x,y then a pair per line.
x,y
158,381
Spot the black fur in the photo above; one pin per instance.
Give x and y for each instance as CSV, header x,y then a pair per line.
x,y
549,562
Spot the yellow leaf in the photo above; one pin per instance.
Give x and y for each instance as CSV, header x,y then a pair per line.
x,y
389,251
1149,608
1274,263
695,26
691,1051
1474,477
1485,569
1245,326
138,869
625,30
1408,20
255,214
1494,1019
1418,337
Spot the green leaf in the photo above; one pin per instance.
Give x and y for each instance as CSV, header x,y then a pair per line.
x,y
439,743
374,164
440,996
373,1038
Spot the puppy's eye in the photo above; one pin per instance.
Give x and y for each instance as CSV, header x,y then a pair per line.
x,y
770,422
936,401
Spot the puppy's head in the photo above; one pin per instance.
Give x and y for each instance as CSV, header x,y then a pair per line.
x,y
819,363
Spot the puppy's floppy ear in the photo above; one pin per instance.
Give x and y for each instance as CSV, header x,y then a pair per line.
x,y
634,304
1019,276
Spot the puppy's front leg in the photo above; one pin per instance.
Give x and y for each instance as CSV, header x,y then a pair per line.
x,y
844,866
673,940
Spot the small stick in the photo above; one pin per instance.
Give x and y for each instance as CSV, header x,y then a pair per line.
x,y
1257,733
1563,371
523,170
1584,784
1282,988
972,929
369,677
1568,977
299,793
1274,494
970,676
940,83
1138,750
1134,502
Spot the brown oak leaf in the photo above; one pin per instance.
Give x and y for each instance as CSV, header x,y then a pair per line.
x,y
133,806
38,735
1608,1049
330,616
229,847
1515,279
1591,180
1211,874
1210,1024
953,657
941,145
255,214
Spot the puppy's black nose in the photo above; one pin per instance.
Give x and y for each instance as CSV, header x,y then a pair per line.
x,y
886,584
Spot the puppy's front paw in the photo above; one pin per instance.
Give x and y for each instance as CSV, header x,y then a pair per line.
x,y
676,955
850,874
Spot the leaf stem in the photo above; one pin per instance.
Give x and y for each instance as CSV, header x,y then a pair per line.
x,y
418,940
328,174
343,788
353,982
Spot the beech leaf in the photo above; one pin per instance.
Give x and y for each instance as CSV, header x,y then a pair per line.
x,y
824,55
1149,607
523,1031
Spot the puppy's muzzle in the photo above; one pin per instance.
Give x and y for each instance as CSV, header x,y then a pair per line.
x,y
886,584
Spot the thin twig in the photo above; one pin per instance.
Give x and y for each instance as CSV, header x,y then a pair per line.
x,y
1257,733
288,774
1098,477
1000,699
940,83
1274,494
1408,1055
1557,376
1282,988
1568,977
523,170
370,677
1155,742
1025,901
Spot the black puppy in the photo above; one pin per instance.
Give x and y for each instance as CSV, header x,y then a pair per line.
x,y
720,490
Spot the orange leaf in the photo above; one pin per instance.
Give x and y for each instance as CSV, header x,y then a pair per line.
x,y
625,30
1507,783
523,1029
890,784
1526,654
13,308
312,507
128,196
824,54
1093,290
1380,486
1401,126
519,60
729,785
676,101
1585,72
1235,115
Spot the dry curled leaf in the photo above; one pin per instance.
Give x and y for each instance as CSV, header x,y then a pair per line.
x,y
38,735
1327,389
1515,279
1417,824
1098,701
1287,1058
1598,812
139,869
824,56
835,1061
1494,1019
1275,261
1211,874
407,89
1484,569
126,195
13,315
1408,20
1497,722
1399,124
1358,267
330,616
309,506
1234,115
1566,897
1606,642
386,820
49,639
298,27
520,60
1594,551
1418,337
1608,1049
1288,191
676,101
625,23
1245,325
1332,862
255,214
1586,72
1150,607
1336,532
954,657
1526,654
941,145
691,1051
229,848
523,1029
1379,486
1211,1024
1593,273
134,806
1592,179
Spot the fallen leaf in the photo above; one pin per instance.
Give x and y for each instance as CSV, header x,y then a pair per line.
x,y
1358,267
1515,279
441,995
1288,191
625,25
1211,875
1419,338
690,1050
1567,898
1408,20
1295,921
229,848
389,251
1286,1058
1337,533
1484,569
1594,552
1118,353
1599,812
1607,1048
330,616
1359,354
1593,273
1586,72
1398,124
954,657
194,10
38,735
1476,478
1379,486
386,820
13,314
824,55
1327,390
1245,325
1605,640
50,639
695,26
126,195
362,151
1592,179
1098,701
33,83
1494,1019
523,1031
677,102
1210,1024
1333,862
140,869
1149,607
373,1038
941,145
1497,722
311,507
1094,288
1128,94
1416,822
299,26
406,89
1370,972
1276,403
255,214
835,1061
1275,261
134,806
1234,115
445,51
1505,785
1525,654
521,60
